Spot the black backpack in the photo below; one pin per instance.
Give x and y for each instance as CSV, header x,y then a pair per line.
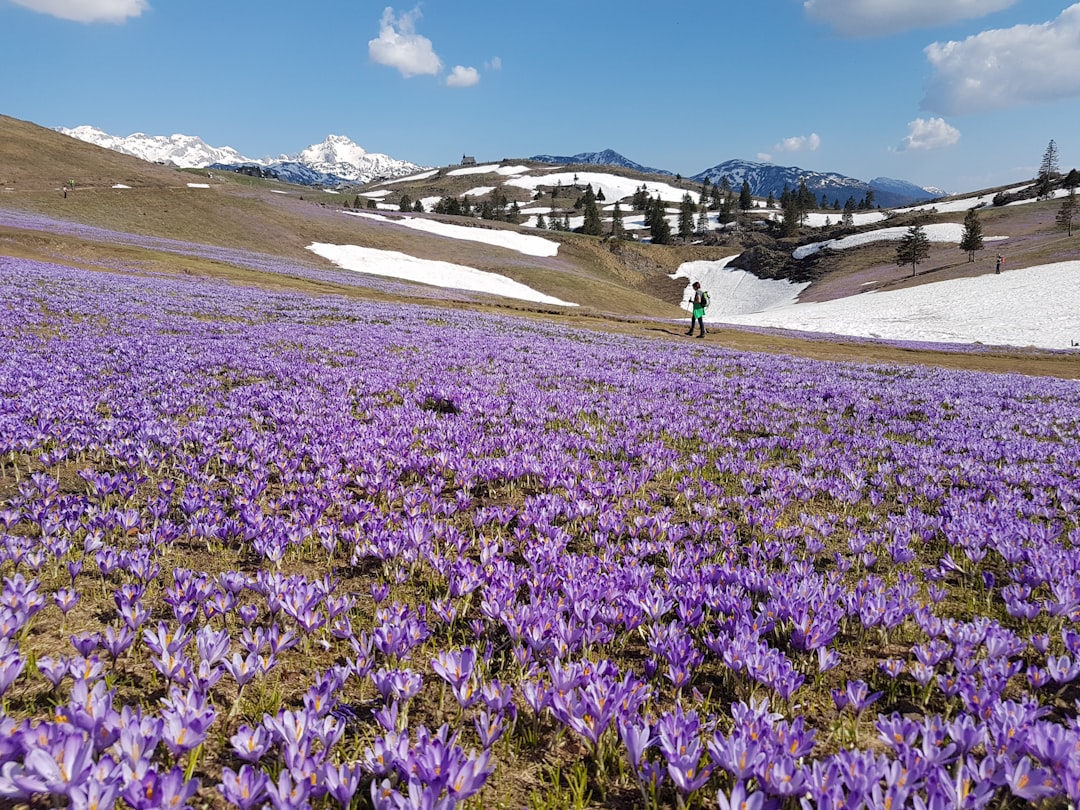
x,y
704,299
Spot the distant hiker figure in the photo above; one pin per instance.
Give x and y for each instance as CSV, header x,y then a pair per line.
x,y
1000,261
699,302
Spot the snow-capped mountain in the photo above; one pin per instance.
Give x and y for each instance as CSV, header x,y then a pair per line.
x,y
903,187
767,178
334,161
181,150
608,157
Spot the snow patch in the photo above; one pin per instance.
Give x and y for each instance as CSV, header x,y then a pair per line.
x,y
392,264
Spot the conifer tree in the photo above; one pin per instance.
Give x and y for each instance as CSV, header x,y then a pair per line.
x,y
418,207
540,223
592,225
746,200
914,246
791,214
406,203
1067,213
972,237
686,217
1048,171
703,219
566,221
617,230
659,229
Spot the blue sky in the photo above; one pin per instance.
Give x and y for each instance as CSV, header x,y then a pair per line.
x,y
960,94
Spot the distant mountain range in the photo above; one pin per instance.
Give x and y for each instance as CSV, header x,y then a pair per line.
x,y
609,157
766,178
338,161
335,161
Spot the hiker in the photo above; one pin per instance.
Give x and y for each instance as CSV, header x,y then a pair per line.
x,y
699,302
1000,261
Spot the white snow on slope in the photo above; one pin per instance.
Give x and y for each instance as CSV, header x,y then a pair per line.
x,y
420,176
937,232
521,242
1031,306
427,271
613,186
735,292
491,168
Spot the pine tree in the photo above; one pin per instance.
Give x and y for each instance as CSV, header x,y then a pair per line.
x,y
1048,171
592,226
686,217
746,200
659,229
371,203
972,238
791,215
914,246
566,220
703,219
617,230
770,201
406,203
703,199
514,214
418,207
1067,212
540,223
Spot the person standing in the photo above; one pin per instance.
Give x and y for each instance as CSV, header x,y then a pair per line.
x,y
1000,261
698,304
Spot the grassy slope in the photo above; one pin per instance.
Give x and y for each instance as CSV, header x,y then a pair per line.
x,y
619,287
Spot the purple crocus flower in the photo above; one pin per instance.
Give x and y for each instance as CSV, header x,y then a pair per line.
x,y
341,782
57,771
250,743
245,788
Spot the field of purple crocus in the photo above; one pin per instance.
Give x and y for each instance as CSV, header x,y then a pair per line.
x,y
263,549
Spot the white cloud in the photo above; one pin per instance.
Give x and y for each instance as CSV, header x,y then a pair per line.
x,y
399,46
1007,67
88,11
869,18
494,64
764,157
462,77
799,143
924,134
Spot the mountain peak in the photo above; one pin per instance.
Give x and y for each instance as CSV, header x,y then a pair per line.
x,y
608,157
335,160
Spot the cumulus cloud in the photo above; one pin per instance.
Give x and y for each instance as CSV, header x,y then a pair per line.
x,y
800,143
871,18
88,11
1006,67
399,46
924,134
462,77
